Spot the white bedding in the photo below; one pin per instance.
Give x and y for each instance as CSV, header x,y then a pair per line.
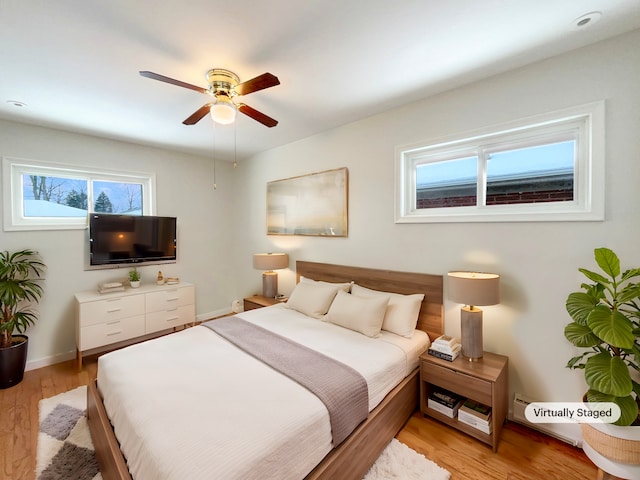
x,y
191,405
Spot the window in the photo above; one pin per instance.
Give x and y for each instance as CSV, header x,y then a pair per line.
x,y
44,196
543,169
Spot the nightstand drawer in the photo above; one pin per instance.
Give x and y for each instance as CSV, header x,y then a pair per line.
x,y
258,301
249,305
461,383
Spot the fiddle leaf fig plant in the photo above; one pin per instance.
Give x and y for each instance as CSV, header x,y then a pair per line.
x,y
606,322
19,287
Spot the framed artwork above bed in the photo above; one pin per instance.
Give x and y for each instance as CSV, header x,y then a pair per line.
x,y
314,204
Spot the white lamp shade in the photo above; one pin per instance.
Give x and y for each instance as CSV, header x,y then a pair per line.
x,y
270,261
223,111
474,288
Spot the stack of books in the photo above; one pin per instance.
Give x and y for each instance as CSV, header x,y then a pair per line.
x,y
111,287
445,347
476,415
445,402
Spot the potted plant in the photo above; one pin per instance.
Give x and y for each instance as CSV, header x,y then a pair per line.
x,y
134,278
19,288
606,323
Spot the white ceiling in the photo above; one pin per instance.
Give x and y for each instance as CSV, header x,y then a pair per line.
x,y
74,63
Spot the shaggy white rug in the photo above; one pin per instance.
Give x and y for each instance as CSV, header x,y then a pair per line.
x,y
399,462
65,450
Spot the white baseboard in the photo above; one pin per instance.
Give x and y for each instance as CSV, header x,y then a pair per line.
x,y
47,361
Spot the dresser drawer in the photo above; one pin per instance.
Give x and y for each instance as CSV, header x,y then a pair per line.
x,y
112,331
461,383
109,309
172,317
170,298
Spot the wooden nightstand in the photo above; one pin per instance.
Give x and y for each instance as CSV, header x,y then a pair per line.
x,y
485,381
258,301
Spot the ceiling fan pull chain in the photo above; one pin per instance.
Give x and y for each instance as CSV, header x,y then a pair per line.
x,y
235,146
215,185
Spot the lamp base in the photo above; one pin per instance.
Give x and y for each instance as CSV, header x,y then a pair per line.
x,y
471,333
269,284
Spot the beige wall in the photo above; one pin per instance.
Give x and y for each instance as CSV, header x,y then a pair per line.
x,y
183,189
537,261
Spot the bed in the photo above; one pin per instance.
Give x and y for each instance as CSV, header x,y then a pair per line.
x,y
323,457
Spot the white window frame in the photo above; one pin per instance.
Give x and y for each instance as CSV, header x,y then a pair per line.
x,y
584,123
12,197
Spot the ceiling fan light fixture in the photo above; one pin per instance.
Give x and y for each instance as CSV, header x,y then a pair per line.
x,y
223,111
223,85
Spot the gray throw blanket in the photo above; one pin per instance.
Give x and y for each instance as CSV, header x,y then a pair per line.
x,y
342,389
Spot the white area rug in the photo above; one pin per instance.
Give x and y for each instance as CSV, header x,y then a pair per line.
x,y
65,450
399,462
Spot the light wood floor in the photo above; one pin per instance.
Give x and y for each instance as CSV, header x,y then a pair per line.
x,y
523,454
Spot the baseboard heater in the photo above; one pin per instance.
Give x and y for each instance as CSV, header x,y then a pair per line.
x,y
520,402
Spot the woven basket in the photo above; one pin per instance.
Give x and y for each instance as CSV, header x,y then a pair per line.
x,y
614,448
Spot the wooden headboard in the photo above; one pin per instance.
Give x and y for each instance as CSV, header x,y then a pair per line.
x,y
431,318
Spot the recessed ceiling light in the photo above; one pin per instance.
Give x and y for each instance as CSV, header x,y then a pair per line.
x,y
587,19
16,103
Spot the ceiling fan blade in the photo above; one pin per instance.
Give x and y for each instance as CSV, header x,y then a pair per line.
x,y
198,114
257,116
172,81
260,82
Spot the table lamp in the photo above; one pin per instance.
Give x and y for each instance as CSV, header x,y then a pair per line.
x,y
473,289
270,262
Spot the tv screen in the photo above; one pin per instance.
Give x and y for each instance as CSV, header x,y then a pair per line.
x,y
117,239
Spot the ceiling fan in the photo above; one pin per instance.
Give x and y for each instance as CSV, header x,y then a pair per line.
x,y
224,86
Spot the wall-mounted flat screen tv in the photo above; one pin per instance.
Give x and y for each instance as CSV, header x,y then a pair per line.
x,y
131,239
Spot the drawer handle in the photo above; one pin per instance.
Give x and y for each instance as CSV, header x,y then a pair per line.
x,y
173,299
172,319
114,333
114,322
114,310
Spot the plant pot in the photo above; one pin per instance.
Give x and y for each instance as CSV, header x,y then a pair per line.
x,y
135,284
606,446
620,444
616,443
13,361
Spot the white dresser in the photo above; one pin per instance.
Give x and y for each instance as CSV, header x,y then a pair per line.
x,y
103,320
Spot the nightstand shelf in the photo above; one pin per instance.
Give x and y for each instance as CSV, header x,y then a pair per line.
x,y
485,381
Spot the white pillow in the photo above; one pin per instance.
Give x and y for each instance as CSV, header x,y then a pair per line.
x,y
362,314
313,299
346,286
402,312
